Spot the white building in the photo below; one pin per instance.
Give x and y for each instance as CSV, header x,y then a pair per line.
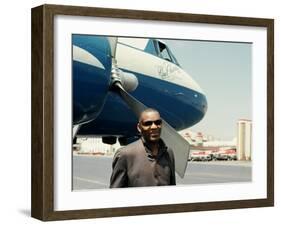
x,y
244,139
95,145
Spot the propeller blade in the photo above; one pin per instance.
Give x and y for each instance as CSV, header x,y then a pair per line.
x,y
179,145
170,136
75,129
113,45
136,106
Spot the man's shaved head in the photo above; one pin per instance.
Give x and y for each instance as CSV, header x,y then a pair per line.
x,y
148,110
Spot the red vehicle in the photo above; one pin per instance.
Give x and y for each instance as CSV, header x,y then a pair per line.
x,y
226,154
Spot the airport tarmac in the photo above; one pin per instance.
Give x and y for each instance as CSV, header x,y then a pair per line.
x,y
93,172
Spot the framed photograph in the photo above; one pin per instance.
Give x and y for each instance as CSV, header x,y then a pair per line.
x,y
210,80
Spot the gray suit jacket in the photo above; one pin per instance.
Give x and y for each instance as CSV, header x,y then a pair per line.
x,y
134,166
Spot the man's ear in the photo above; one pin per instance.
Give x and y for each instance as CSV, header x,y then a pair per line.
x,y
139,127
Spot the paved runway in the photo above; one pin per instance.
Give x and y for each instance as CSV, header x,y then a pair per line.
x,y
93,172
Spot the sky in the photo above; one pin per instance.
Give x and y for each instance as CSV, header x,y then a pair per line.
x,y
223,70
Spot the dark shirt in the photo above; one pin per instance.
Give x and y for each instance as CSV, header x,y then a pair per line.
x,y
135,166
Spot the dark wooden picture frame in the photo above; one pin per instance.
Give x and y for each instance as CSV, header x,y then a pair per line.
x,y
43,112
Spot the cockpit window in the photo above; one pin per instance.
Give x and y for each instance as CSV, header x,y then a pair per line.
x,y
174,59
159,49
164,52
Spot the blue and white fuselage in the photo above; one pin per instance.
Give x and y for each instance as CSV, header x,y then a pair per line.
x,y
162,84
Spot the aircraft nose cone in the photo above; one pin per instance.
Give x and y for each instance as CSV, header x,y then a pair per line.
x,y
200,104
204,104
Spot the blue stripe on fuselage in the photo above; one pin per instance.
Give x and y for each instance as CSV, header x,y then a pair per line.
x,y
179,106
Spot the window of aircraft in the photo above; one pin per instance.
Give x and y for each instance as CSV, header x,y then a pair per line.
x,y
174,58
159,49
164,52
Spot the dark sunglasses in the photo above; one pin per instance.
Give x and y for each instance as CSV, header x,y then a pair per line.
x,y
149,123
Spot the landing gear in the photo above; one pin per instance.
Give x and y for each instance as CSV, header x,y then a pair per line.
x,y
109,140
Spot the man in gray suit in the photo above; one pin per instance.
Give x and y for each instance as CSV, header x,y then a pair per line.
x,y
147,161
